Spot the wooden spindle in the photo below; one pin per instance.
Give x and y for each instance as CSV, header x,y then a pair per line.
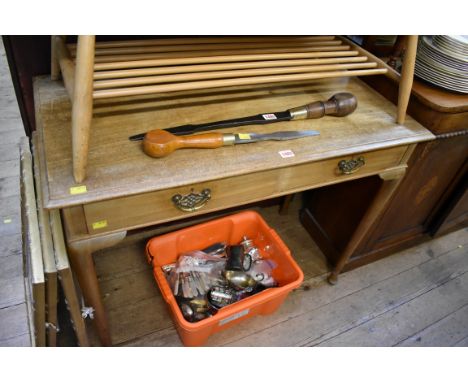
x,y
66,64
208,40
140,90
406,81
211,53
218,59
207,47
82,105
381,64
125,73
139,81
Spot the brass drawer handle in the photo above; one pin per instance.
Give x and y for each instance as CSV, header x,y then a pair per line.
x,y
350,166
193,201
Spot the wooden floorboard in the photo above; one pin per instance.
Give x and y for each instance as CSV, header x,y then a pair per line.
x,y
13,321
10,205
10,225
10,245
11,281
11,291
14,328
462,343
448,331
23,340
9,168
9,186
402,321
9,151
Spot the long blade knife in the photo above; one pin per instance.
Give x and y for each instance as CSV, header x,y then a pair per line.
x,y
340,105
159,143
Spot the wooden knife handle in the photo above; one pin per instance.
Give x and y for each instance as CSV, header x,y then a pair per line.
x,y
159,143
339,105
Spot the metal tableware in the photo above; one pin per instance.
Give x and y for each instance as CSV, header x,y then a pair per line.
x,y
187,311
250,249
236,259
199,305
176,284
239,280
217,249
219,297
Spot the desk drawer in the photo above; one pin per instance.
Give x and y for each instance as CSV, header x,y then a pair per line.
x,y
158,207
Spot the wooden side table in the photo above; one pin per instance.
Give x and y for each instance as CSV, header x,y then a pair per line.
x,y
126,189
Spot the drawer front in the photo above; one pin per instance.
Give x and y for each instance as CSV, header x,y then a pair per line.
x,y
158,207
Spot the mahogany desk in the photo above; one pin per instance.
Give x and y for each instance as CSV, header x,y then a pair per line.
x,y
125,189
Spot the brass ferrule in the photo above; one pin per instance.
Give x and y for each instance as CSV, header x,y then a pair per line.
x,y
228,139
298,112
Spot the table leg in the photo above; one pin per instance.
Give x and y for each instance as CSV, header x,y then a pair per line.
x,y
81,258
391,180
73,305
285,203
54,64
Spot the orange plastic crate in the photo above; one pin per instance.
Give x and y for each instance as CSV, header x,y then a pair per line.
x,y
165,249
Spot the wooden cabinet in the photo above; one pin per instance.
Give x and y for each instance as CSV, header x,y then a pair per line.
x,y
431,199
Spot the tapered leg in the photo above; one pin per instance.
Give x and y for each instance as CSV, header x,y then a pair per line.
x,y
406,81
38,297
73,305
82,105
81,258
54,64
285,203
51,307
391,180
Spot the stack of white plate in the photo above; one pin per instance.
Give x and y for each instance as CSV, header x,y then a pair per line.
x,y
443,61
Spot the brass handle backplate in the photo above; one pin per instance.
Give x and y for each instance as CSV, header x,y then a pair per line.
x,y
350,166
192,201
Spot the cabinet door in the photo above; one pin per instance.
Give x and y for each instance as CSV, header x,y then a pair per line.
x,y
453,214
428,185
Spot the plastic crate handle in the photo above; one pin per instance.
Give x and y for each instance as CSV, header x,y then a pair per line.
x,y
280,242
163,285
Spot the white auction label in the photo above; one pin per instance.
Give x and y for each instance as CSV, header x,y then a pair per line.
x,y
286,153
269,116
234,317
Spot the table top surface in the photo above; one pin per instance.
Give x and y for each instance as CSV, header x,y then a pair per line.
x,y
118,167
